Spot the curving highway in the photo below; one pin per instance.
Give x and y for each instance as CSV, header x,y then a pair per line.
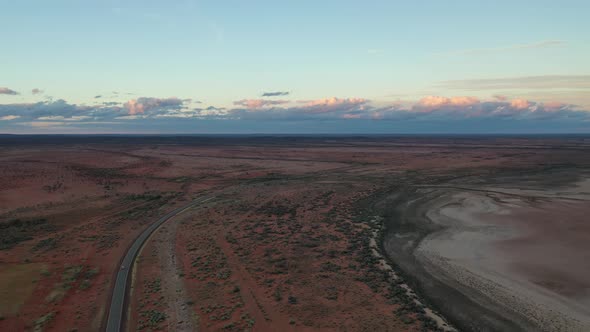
x,y
117,310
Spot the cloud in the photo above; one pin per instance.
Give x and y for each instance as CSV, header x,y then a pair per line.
x,y
509,48
62,118
179,114
131,117
556,105
439,112
9,117
325,108
55,124
332,104
36,91
134,107
435,102
147,104
333,101
7,91
520,104
275,94
97,96
524,82
442,108
258,103
213,108
58,108
51,118
430,108
351,116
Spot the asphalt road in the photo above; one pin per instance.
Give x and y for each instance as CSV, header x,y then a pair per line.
x,y
117,310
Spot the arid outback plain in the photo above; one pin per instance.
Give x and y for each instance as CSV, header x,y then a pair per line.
x,y
298,233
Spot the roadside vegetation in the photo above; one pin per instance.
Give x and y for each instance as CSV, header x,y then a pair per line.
x,y
16,231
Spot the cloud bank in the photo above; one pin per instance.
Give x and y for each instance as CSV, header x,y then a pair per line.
x,y
436,113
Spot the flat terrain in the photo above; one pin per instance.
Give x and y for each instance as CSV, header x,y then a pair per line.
x,y
303,233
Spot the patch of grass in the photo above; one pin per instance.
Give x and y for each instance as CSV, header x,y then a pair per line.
x,y
91,273
181,179
248,320
329,267
86,238
144,197
152,319
107,241
230,238
277,294
42,321
46,244
331,293
223,274
69,276
16,231
85,284
88,275
45,272
154,286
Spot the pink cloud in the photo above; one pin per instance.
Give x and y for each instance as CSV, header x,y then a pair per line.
x,y
520,104
471,107
434,102
333,104
554,105
145,104
258,103
134,107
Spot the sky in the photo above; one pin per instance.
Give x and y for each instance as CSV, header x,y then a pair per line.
x,y
456,66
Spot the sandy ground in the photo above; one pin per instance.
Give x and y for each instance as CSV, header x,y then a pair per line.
x,y
527,250
158,285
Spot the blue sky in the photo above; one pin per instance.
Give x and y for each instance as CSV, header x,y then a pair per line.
x,y
342,66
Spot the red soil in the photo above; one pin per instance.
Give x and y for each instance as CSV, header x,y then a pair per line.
x,y
279,249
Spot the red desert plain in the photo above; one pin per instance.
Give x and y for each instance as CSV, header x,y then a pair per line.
x,y
375,233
